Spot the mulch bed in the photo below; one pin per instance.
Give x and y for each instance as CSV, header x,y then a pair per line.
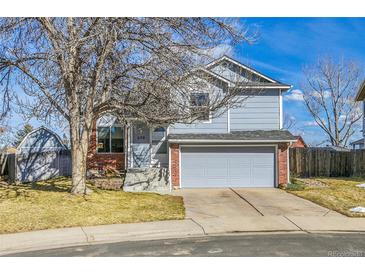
x,y
312,183
108,183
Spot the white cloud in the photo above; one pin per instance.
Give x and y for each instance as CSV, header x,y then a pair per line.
x,y
310,124
342,117
326,94
294,95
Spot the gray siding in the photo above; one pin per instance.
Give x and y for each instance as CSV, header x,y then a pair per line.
x,y
257,112
229,73
218,124
236,74
261,111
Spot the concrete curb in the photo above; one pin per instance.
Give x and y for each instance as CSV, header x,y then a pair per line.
x,y
75,236
78,236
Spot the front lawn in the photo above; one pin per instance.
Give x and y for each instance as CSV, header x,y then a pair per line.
x,y
339,194
48,204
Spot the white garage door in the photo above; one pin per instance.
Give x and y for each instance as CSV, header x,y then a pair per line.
x,y
227,167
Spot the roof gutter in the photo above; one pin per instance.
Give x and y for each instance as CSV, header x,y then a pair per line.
x,y
283,87
182,141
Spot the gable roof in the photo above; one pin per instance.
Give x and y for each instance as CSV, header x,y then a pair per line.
x,y
360,141
300,138
361,93
271,81
219,77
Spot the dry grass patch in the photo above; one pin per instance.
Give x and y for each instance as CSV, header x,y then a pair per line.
x,y
339,194
48,204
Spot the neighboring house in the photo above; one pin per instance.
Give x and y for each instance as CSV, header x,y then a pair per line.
x,y
243,146
332,148
361,97
358,144
299,142
40,155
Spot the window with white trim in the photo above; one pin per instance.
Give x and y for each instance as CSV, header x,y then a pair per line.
x,y
200,106
110,139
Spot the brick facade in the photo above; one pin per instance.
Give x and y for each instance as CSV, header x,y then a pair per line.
x,y
175,164
282,156
299,142
103,161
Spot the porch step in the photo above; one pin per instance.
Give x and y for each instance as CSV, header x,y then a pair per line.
x,y
147,180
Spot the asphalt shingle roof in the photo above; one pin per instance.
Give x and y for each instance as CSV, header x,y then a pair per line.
x,y
249,135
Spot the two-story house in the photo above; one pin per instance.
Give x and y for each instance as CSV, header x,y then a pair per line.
x,y
243,146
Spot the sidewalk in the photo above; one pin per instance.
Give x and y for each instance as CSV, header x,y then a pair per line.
x,y
55,238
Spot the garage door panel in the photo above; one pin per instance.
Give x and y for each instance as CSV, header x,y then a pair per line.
x,y
196,172
262,176
237,169
239,182
227,166
216,172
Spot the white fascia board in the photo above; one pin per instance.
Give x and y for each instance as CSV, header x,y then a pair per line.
x,y
286,88
183,141
240,65
282,87
229,83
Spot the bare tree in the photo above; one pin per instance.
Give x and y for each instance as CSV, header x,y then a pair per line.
x,y
328,92
289,122
80,68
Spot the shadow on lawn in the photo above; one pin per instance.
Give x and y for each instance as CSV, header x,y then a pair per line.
x,y
61,184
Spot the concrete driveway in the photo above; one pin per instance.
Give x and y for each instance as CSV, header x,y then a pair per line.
x,y
249,209
247,202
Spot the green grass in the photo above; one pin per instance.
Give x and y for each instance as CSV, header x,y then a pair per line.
x,y
338,194
48,204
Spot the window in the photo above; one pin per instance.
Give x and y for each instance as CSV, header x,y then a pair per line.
x,y
158,140
110,139
158,134
200,106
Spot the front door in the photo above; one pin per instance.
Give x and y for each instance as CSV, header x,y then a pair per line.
x,y
141,146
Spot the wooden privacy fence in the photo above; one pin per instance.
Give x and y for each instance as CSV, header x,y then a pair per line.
x,y
316,162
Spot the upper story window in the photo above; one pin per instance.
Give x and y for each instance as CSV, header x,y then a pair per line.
x,y
200,105
110,139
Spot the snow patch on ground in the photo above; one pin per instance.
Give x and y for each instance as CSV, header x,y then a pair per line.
x,y
361,185
359,209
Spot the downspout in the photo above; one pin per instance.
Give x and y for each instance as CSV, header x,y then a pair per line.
x,y
288,160
126,143
170,182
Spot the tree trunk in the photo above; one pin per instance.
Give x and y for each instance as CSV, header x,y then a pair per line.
x,y
79,148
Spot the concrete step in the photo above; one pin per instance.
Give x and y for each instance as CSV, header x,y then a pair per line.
x,y
149,180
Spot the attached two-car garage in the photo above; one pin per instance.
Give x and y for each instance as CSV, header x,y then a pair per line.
x,y
227,166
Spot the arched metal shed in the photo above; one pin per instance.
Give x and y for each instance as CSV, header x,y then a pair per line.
x,y
40,156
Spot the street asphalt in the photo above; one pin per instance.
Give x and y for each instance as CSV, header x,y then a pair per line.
x,y
291,244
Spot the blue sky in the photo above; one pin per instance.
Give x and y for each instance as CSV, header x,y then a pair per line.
x,y
284,46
